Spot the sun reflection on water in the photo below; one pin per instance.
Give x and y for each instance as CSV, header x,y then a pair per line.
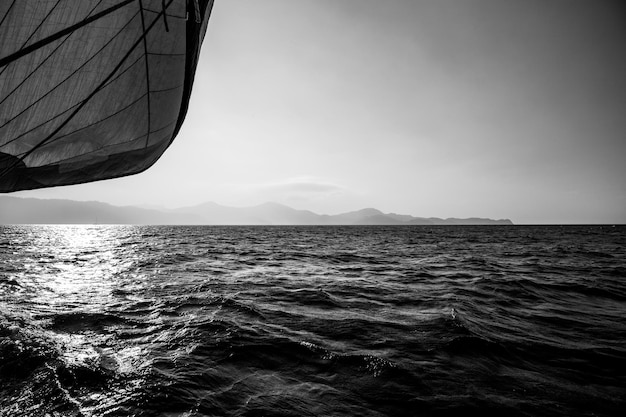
x,y
72,284
74,266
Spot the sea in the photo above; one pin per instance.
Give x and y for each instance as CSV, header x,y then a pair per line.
x,y
101,320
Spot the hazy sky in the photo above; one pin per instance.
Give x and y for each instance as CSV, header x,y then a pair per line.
x,y
450,108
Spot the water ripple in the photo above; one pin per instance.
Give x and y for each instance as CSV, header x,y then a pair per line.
x,y
286,321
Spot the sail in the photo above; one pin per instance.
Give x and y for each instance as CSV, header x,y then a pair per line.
x,y
93,89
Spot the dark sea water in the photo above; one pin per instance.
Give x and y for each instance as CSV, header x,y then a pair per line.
x,y
312,321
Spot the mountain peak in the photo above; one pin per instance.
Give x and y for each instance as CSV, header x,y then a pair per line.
x,y
369,212
37,211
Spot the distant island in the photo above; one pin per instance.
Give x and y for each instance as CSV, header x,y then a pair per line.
x,y
14,210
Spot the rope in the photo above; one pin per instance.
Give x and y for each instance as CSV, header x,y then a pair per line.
x,y
167,29
39,44
43,61
145,56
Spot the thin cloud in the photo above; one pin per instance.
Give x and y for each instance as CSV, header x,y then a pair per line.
x,y
303,185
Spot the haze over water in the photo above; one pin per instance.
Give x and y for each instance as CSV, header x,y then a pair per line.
x,y
333,321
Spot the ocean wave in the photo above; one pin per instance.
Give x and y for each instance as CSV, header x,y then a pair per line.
x,y
193,321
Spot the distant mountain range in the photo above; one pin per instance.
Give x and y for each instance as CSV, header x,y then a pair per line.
x,y
15,210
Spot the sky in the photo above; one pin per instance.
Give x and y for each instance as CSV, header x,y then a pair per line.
x,y
448,108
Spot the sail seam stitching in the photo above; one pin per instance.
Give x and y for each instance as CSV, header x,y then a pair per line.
x,y
120,143
70,75
35,31
7,13
71,107
145,54
43,61
94,92
40,44
115,114
101,120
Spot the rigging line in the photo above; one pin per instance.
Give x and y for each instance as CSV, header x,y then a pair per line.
x,y
38,126
167,28
93,93
145,55
147,9
164,126
73,106
101,120
128,141
163,90
39,44
43,61
34,70
164,54
7,13
36,29
70,75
